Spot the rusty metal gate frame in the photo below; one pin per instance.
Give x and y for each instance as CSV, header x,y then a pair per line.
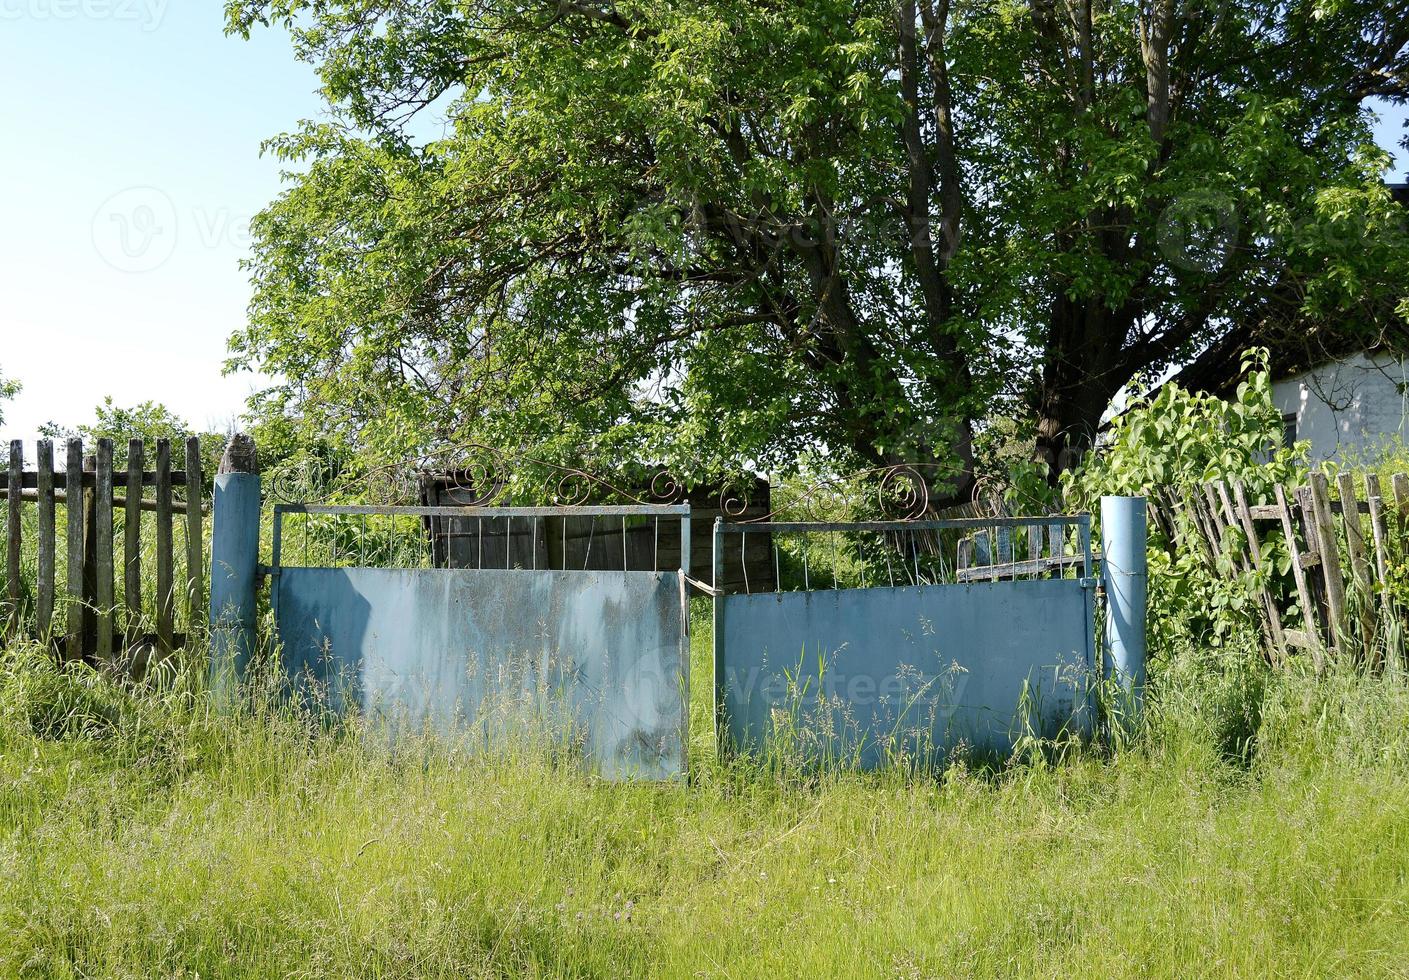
x,y
738,725
525,584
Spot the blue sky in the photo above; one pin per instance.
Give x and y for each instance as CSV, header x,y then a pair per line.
x,y
130,169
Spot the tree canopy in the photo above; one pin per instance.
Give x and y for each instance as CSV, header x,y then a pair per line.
x,y
148,421
717,231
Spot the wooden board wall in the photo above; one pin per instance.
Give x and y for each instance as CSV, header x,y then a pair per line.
x,y
597,543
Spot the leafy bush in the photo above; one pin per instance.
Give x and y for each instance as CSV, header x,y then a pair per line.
x,y
1171,444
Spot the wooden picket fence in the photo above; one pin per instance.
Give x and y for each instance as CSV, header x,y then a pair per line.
x,y
92,624
1342,550
1038,551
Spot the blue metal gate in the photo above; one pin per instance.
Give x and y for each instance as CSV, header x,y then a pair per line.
x,y
912,668
597,659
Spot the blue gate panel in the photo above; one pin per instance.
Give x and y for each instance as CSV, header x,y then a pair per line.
x,y
596,657
874,674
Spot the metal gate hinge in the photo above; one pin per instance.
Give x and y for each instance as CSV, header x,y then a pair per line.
x,y
1090,583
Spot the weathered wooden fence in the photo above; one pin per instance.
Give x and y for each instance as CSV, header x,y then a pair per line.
x,y
1011,552
1342,553
101,613
588,543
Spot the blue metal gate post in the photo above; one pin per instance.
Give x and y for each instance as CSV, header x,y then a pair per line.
x,y
1123,533
717,584
234,563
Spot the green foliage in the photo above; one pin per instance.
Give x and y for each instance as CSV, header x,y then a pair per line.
x,y
1008,470
9,388
694,233
148,421
1177,440
1174,443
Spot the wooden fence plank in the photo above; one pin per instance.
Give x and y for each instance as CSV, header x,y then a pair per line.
x,y
1380,532
103,553
1013,569
1213,515
1192,524
1329,549
1198,507
1400,482
1269,601
89,499
44,587
1305,516
1056,540
119,500
1377,526
73,476
132,539
1269,513
1354,533
1271,623
195,539
165,575
14,591
1359,556
1310,625
1307,511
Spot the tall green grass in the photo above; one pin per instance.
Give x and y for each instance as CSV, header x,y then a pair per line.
x,y
1259,825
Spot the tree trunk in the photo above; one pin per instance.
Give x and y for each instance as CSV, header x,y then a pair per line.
x,y
1082,371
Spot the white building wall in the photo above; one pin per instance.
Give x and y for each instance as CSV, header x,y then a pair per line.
x,y
1350,407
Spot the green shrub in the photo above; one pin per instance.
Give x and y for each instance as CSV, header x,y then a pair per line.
x,y
1169,445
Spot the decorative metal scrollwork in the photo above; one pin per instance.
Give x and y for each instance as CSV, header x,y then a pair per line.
x,y
471,475
902,494
482,476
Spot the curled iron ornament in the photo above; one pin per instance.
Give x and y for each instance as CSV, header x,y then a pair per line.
x,y
913,499
732,505
573,488
665,487
477,475
902,495
483,476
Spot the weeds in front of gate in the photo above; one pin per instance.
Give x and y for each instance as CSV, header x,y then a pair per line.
x,y
813,729
1260,825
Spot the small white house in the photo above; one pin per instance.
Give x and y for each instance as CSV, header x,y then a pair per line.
x,y
1347,407
1353,402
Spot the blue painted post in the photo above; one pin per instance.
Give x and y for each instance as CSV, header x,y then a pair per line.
x,y
716,582
1123,534
234,563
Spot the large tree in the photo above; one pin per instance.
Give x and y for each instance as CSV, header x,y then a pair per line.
x,y
717,231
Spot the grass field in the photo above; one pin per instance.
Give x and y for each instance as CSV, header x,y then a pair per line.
x,y
1260,827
